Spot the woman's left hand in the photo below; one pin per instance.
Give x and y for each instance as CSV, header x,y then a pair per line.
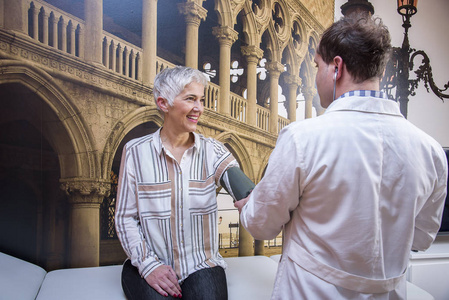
x,y
164,280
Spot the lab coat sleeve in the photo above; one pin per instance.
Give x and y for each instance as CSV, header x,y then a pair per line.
x,y
278,193
428,219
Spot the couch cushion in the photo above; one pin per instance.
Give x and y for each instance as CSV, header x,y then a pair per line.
x,y
250,277
19,279
83,283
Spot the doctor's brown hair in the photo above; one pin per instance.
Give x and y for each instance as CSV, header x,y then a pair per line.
x,y
364,44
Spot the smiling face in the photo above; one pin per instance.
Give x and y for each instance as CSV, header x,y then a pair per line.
x,y
187,108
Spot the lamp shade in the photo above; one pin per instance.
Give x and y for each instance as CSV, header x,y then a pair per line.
x,y
407,7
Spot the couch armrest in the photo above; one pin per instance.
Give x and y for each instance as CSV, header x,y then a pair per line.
x,y
19,279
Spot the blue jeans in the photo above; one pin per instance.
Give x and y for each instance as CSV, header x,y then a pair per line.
x,y
205,284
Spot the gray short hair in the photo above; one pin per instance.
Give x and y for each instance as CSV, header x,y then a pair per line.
x,y
170,82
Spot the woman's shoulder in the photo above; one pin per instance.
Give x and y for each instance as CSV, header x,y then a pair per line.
x,y
140,141
209,143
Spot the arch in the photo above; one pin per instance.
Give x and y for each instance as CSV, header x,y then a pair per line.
x,y
307,70
122,128
250,25
239,148
298,27
280,10
291,59
225,12
274,36
70,136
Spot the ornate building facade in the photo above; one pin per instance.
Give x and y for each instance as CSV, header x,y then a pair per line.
x,y
76,85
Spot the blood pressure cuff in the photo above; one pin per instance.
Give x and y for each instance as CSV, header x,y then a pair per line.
x,y
236,183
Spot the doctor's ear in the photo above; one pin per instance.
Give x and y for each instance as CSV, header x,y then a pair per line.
x,y
337,62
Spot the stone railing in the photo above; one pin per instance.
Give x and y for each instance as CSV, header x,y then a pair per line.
x,y
263,118
122,57
238,107
162,64
282,122
54,27
64,32
211,96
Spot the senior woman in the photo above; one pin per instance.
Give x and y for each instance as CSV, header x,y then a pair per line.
x,y
166,211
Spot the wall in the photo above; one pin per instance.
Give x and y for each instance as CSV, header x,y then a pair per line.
x,y
428,33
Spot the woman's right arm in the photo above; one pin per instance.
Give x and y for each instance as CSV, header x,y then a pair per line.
x,y
129,230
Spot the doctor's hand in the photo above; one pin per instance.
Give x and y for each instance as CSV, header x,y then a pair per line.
x,y
164,280
239,204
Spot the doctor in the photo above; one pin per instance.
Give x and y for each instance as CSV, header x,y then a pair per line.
x,y
355,189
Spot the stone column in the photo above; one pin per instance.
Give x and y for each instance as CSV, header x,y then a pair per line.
x,y
85,197
120,59
133,65
16,19
54,36
35,22
81,43
226,37
292,82
45,28
194,13
114,56
259,247
139,66
93,12
63,35
253,54
245,242
308,92
72,39
149,41
274,69
106,44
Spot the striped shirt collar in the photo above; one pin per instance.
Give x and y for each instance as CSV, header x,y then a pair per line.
x,y
158,142
365,101
365,93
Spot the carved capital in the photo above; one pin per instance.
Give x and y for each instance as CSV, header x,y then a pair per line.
x,y
252,52
86,189
293,80
309,92
274,68
193,12
225,34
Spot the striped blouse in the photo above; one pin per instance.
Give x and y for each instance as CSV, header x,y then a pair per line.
x,y
166,211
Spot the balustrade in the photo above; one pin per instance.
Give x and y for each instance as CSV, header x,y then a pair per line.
x,y
282,122
162,64
211,96
238,107
122,57
60,30
54,27
262,118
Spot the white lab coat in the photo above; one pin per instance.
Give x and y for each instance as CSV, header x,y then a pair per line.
x,y
356,188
